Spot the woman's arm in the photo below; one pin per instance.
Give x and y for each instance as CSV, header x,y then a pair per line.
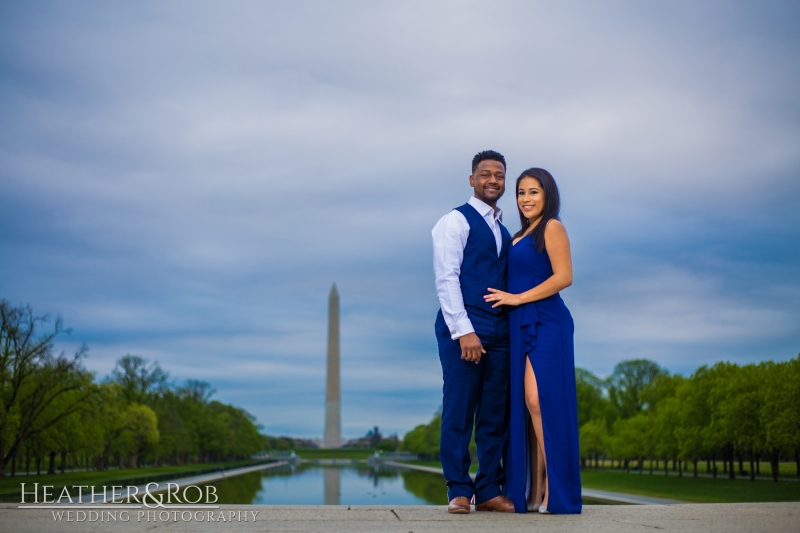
x,y
556,243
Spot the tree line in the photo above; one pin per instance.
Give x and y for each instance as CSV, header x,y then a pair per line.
x,y
722,413
423,440
53,410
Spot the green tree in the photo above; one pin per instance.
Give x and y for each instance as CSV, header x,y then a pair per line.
x,y
126,427
140,381
64,436
662,387
628,382
781,411
141,432
177,442
592,400
423,440
594,440
742,406
693,415
723,427
632,439
664,421
33,379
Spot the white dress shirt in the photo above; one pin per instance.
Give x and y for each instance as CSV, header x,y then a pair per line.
x,y
449,239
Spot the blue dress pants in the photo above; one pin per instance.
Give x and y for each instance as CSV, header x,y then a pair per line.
x,y
474,395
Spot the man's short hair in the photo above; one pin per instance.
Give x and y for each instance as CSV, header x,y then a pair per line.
x,y
487,155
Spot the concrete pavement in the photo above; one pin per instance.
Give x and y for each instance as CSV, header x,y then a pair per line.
x,y
192,480
605,496
683,518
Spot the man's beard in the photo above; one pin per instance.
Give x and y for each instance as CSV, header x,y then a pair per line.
x,y
490,198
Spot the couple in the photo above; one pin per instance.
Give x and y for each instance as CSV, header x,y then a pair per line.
x,y
506,348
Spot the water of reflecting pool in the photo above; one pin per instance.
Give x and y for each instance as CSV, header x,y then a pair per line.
x,y
313,484
353,484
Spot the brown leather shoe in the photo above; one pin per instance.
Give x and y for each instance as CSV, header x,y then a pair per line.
x,y
498,503
458,505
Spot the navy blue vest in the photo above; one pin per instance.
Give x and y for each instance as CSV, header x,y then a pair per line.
x,y
482,267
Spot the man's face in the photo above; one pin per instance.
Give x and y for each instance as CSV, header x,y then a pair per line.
x,y
489,181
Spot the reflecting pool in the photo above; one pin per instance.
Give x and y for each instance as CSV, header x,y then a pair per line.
x,y
356,483
316,484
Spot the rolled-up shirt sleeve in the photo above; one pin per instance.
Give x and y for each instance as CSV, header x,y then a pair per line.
x,y
449,239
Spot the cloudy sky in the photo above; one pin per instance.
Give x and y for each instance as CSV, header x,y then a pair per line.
x,y
186,180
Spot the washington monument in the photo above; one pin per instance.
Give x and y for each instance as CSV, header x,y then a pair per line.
x,y
333,418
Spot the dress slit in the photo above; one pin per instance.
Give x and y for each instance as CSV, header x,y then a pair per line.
x,y
531,432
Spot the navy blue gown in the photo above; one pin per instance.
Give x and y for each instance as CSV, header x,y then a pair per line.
x,y
543,332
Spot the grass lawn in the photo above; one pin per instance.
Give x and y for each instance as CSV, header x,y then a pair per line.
x,y
689,489
786,468
10,486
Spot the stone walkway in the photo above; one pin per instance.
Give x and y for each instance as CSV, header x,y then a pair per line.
x,y
605,496
193,480
684,518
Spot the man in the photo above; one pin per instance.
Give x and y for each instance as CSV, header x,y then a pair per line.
x,y
470,248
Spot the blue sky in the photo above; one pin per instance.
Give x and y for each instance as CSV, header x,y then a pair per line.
x,y
185,181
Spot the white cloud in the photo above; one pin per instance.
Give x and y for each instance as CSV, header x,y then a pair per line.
x,y
185,181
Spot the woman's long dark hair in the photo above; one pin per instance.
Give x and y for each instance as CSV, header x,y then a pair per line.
x,y
552,205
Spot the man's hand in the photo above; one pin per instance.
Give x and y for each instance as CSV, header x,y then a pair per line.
x,y
471,348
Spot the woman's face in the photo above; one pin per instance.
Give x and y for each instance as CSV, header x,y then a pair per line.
x,y
530,198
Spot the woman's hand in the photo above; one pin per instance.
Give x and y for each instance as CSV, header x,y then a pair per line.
x,y
557,245
502,298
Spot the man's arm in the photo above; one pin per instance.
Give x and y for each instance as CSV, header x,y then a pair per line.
x,y
449,239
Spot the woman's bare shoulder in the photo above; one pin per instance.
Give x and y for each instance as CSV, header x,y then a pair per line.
x,y
554,226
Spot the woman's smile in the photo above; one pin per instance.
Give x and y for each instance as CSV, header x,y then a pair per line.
x,y
530,198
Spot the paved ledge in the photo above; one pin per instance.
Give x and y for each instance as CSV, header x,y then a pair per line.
x,y
193,480
684,518
421,468
603,496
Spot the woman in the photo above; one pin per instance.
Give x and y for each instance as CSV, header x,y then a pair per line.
x,y
542,465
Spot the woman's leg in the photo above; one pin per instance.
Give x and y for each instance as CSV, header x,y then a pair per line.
x,y
532,401
535,495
